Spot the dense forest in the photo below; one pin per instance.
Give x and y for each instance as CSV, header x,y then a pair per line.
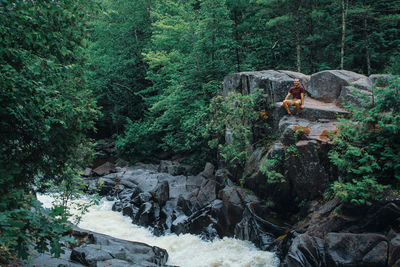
x,y
158,64
145,73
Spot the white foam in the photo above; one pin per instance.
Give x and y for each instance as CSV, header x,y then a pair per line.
x,y
184,250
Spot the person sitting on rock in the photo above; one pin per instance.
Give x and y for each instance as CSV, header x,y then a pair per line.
x,y
297,91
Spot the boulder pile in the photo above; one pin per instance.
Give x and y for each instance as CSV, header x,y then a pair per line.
x,y
207,204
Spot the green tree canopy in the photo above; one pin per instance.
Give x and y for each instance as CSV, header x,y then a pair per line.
x,y
45,112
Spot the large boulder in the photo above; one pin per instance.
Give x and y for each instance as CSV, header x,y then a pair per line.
x,y
327,85
257,228
275,83
208,222
366,249
394,249
306,172
45,259
363,83
104,169
208,171
324,220
207,193
380,80
161,193
293,129
173,167
280,193
102,250
338,250
305,251
177,186
90,255
233,206
357,97
254,161
379,217
194,182
314,111
148,214
304,164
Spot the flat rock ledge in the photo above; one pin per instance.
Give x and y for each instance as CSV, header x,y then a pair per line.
x,y
98,250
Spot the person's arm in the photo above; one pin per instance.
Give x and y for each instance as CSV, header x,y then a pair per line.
x,y
302,100
288,95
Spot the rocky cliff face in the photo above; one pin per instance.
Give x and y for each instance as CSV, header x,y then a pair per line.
x,y
210,204
351,237
308,170
275,83
207,204
325,237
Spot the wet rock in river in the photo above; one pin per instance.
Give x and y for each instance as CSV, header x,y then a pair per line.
x,y
306,251
208,171
104,169
117,206
161,193
394,248
146,215
103,250
257,229
366,249
142,198
89,255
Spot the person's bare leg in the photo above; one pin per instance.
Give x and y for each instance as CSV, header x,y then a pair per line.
x,y
297,108
285,105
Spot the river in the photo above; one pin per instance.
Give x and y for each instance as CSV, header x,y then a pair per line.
x,y
184,250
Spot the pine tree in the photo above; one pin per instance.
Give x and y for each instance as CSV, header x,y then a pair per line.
x,y
116,69
189,54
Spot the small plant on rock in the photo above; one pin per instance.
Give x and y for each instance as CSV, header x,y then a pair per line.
x,y
272,169
292,151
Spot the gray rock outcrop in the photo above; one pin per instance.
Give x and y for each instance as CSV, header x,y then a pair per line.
x,y
96,249
354,96
338,249
380,80
275,84
327,85
361,236
206,204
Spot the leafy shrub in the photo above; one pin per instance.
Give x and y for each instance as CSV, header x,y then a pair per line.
x,y
137,142
394,65
45,114
366,149
291,151
272,168
230,128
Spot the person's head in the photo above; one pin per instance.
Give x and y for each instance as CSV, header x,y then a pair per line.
x,y
296,82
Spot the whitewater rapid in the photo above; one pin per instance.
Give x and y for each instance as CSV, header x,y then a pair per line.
x,y
184,250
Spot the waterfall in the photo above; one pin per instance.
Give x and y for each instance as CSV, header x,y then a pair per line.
x,y
185,250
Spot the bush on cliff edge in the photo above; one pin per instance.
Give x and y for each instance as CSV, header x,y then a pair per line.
x,y
367,149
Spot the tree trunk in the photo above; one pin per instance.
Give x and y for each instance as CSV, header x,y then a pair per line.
x,y
345,6
298,50
298,47
237,42
311,33
366,41
194,49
